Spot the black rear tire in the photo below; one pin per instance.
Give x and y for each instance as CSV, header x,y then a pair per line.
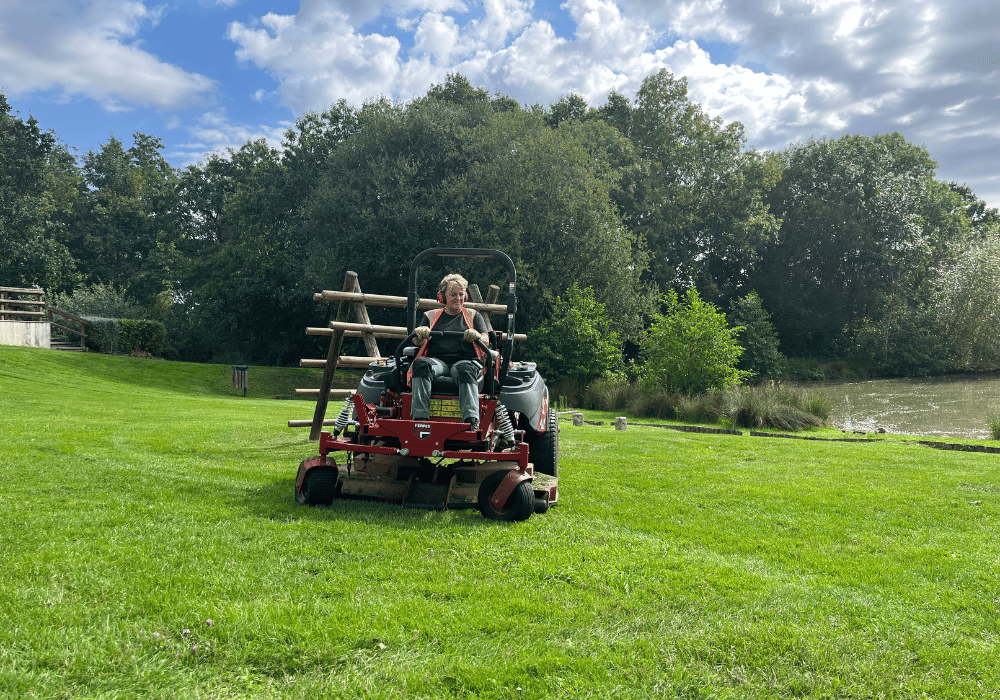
x,y
319,488
520,505
543,448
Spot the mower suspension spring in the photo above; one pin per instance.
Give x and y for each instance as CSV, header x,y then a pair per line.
x,y
505,428
344,417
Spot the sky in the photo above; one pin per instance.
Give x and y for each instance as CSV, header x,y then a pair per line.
x,y
207,75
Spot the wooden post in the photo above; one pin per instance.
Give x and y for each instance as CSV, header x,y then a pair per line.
x,y
361,314
476,298
336,342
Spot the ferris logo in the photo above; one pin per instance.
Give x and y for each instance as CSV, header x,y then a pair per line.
x,y
422,430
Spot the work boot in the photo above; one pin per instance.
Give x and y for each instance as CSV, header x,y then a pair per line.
x,y
473,424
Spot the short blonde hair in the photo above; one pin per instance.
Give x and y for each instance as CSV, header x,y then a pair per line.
x,y
453,278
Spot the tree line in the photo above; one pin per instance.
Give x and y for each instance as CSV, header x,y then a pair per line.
x,y
847,248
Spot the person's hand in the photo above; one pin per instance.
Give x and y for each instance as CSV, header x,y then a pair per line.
x,y
471,335
422,333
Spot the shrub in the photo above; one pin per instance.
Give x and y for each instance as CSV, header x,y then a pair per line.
x,y
577,342
758,338
690,348
993,423
101,300
102,334
141,337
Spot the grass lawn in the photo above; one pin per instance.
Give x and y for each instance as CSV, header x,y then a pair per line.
x,y
152,548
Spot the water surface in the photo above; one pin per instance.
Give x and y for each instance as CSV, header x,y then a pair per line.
x,y
952,406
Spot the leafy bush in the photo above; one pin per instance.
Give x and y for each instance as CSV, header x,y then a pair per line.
x,y
102,334
141,336
577,342
101,300
690,348
907,343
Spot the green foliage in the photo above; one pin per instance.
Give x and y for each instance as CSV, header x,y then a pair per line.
x,y
132,221
31,240
691,190
845,241
104,300
758,339
689,348
966,302
577,341
993,424
860,219
141,337
907,343
102,334
700,408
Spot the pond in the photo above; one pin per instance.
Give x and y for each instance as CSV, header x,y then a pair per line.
x,y
951,406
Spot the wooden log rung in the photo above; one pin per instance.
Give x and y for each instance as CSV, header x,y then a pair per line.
x,y
351,361
308,423
400,302
398,334
334,393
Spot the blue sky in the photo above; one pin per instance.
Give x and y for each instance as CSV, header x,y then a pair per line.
x,y
206,75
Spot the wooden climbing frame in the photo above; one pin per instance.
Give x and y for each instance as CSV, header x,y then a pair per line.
x,y
351,298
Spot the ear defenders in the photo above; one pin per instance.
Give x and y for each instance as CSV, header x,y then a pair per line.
x,y
440,297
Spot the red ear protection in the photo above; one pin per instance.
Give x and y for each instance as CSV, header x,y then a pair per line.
x,y
440,297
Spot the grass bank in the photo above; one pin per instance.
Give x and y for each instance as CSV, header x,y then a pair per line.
x,y
152,549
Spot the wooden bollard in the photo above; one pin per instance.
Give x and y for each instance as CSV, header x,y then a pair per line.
x,y
577,419
621,423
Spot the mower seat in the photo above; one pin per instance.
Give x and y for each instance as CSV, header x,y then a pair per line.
x,y
449,387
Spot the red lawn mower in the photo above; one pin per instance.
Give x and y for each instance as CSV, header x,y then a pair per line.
x,y
508,467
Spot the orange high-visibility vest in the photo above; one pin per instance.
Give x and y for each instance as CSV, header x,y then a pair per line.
x,y
422,352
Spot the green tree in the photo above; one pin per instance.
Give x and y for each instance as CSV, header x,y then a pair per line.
x,y
966,301
857,227
31,235
690,348
438,172
693,194
133,223
761,358
576,342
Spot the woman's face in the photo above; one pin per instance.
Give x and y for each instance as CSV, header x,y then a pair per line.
x,y
454,299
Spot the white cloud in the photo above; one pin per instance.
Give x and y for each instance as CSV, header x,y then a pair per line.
x,y
86,50
213,133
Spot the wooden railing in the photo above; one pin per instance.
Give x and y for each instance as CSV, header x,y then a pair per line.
x,y
351,298
19,304
15,307
69,325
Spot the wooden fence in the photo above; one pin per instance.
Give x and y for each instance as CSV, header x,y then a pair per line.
x,y
351,298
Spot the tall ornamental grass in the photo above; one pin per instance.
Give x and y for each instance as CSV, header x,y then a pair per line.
x,y
770,405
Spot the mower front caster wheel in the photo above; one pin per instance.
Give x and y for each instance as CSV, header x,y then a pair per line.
x,y
318,489
519,506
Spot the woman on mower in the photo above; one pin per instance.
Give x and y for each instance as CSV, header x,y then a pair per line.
x,y
449,355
